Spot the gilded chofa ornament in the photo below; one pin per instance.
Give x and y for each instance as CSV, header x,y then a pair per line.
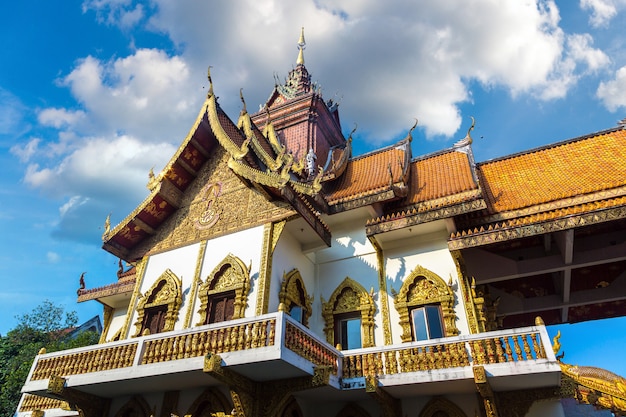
x,y
350,296
166,291
423,287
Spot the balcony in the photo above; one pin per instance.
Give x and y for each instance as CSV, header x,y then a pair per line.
x,y
275,347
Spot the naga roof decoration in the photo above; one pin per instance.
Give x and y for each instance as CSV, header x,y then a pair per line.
x,y
591,385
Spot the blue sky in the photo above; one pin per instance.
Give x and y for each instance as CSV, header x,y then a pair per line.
x,y
95,93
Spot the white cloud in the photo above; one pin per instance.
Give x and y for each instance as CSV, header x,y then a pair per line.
x,y
390,62
386,62
25,152
53,257
72,203
60,117
602,11
146,94
96,170
121,13
612,92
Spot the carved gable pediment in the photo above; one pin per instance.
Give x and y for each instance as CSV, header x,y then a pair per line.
x,y
215,204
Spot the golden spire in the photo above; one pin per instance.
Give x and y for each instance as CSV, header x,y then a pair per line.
x,y
301,46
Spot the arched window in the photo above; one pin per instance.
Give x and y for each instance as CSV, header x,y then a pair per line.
x,y
292,409
352,410
426,307
135,407
158,308
209,403
223,296
294,299
349,316
441,407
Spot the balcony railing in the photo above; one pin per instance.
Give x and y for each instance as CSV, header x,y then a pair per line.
x,y
287,349
517,345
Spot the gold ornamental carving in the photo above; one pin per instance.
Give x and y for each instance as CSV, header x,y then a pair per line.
x,y
216,203
213,401
350,296
166,290
293,293
423,287
212,210
229,275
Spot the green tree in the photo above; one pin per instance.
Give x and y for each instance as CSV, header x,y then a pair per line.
x,y
46,326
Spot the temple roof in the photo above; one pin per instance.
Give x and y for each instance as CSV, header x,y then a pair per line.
x,y
581,166
372,173
560,186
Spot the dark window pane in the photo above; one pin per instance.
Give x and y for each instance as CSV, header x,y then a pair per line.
x,y
434,322
221,307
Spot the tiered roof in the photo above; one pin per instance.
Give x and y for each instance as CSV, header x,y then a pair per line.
x,y
555,187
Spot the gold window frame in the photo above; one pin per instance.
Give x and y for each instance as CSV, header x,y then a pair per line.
x,y
423,287
350,296
169,293
229,275
293,293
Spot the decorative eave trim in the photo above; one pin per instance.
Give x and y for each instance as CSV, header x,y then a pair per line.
x,y
554,205
405,219
308,213
496,234
156,188
429,208
378,196
106,291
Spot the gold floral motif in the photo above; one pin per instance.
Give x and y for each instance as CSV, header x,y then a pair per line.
x,y
157,211
212,211
425,287
166,290
350,296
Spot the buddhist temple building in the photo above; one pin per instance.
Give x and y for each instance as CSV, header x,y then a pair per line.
x,y
271,272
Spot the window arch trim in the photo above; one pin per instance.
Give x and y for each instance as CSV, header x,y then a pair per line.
x,y
165,291
345,302
423,287
290,295
231,274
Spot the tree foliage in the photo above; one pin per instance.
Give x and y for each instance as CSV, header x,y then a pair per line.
x,y
46,326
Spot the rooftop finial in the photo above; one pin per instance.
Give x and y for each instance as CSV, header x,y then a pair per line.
x,y
208,71
301,46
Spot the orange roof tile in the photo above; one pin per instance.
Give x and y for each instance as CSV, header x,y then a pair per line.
x,y
368,174
439,176
585,165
